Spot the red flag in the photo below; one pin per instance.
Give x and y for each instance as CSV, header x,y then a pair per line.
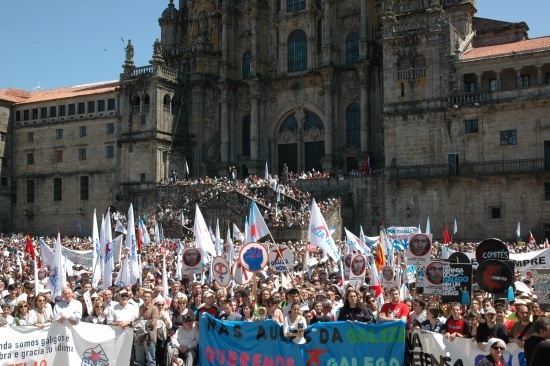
x,y
29,249
446,236
139,239
531,238
380,254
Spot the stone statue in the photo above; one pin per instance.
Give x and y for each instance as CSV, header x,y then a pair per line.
x,y
129,51
157,48
203,27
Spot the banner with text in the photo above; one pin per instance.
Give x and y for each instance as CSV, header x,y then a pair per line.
x,y
427,348
330,344
57,344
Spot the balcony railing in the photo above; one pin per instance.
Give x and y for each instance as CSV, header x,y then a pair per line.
x,y
501,167
469,98
411,73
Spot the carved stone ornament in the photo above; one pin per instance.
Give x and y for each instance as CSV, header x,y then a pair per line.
x,y
211,149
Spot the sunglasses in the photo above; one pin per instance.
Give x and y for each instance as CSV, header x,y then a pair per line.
x,y
124,295
188,321
498,348
24,306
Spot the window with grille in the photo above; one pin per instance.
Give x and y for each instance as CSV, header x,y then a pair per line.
x,y
471,126
297,51
508,138
246,64
295,5
353,126
81,154
352,48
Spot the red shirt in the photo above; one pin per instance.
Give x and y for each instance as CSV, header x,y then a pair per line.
x,y
398,310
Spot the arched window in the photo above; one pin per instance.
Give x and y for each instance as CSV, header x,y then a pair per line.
x,y
313,121
246,64
352,48
353,126
246,136
146,100
297,51
289,124
166,100
137,101
295,5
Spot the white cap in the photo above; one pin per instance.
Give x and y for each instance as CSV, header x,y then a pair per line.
x,y
159,298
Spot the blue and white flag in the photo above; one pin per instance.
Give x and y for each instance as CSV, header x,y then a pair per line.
x,y
428,229
354,243
318,233
97,257
131,246
57,280
108,260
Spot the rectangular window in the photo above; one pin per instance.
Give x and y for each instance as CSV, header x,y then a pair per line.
x,y
17,116
81,108
58,156
470,126
30,158
547,191
295,5
101,105
111,104
30,136
142,177
62,110
508,138
81,154
72,109
26,115
30,190
44,112
84,187
4,181
59,133
110,152
3,136
525,81
493,86
91,107
110,128
57,189
35,113
470,86
494,212
82,130
53,111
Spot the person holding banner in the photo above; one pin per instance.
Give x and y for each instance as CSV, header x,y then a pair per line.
x,y
395,309
496,347
295,323
490,329
68,309
184,343
353,310
41,314
456,325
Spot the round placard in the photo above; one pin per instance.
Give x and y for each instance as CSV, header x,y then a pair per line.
x,y
459,257
494,276
492,249
221,272
253,256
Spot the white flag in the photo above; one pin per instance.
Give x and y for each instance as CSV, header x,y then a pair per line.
x,y
157,232
164,277
319,235
179,264
455,230
96,258
202,235
354,243
230,249
58,278
428,229
123,277
108,260
218,239
119,227
266,173
237,234
131,246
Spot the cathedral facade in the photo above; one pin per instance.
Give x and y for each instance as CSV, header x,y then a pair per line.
x,y
453,108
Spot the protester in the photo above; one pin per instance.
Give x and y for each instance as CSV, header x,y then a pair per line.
x,y
145,346
294,323
353,310
21,314
432,322
41,314
123,314
395,309
98,315
496,346
164,324
490,329
537,348
6,314
185,342
456,325
67,309
523,328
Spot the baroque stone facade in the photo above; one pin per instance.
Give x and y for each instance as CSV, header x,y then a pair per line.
x,y
453,107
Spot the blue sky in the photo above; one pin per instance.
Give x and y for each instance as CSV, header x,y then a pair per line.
x,y
58,43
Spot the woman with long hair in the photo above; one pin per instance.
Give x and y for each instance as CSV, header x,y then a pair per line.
x,y
21,313
41,314
247,314
195,303
273,311
294,324
354,310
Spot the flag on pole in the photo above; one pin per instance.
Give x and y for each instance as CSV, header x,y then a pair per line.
x,y
29,249
319,235
161,232
108,259
157,232
428,229
380,254
532,240
131,246
375,285
230,249
237,234
518,231
258,228
455,229
354,243
446,235
164,277
202,235
96,257
266,173
217,238
120,228
57,279
187,168
144,232
123,276
182,218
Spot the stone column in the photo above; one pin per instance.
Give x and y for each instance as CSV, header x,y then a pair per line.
x,y
539,75
362,70
225,44
254,122
478,81
328,122
328,34
518,76
499,80
224,127
254,30
364,30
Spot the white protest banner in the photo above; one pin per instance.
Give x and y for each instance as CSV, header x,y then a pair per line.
x,y
58,344
427,348
399,236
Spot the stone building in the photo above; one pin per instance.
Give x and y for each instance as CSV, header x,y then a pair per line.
x,y
453,107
